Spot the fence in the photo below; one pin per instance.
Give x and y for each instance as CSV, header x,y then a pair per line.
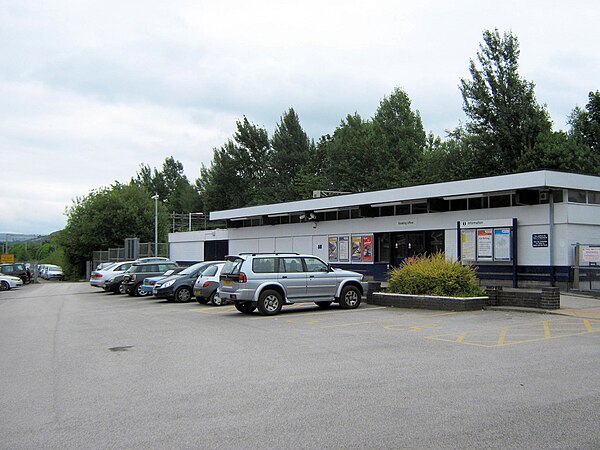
x,y
143,250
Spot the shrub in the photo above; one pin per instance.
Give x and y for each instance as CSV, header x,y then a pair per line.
x,y
434,275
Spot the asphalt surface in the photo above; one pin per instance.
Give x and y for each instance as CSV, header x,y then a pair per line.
x,y
80,368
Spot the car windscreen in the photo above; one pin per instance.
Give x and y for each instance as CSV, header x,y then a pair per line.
x,y
232,266
143,268
193,269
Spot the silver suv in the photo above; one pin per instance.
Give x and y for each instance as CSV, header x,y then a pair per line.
x,y
267,281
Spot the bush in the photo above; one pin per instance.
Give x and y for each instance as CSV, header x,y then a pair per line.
x,y
434,275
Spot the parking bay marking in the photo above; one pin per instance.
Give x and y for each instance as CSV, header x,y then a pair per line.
x,y
523,333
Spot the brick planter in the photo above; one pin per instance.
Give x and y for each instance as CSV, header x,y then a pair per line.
x,y
429,302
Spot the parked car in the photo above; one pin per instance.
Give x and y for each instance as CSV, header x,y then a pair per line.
x,y
52,272
153,259
8,282
114,283
267,281
148,284
134,277
206,285
16,270
180,287
99,277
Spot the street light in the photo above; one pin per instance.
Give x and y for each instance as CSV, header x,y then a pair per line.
x,y
155,198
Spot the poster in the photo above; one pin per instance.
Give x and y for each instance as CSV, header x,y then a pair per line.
x,y
467,247
344,248
502,244
332,249
367,248
356,248
485,245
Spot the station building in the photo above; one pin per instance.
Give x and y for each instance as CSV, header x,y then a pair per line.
x,y
520,230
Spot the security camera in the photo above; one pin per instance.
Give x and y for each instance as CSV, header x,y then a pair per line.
x,y
302,216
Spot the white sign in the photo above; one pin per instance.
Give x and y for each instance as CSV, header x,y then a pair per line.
x,y
502,244
493,223
485,245
589,255
467,245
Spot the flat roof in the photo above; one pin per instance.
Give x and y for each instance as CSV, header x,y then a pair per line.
x,y
526,180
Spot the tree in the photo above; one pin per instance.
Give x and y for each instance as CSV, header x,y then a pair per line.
x,y
105,217
504,117
236,176
289,161
347,156
585,131
398,142
171,185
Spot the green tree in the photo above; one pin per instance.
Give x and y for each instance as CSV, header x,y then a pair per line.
x,y
236,176
504,117
289,161
585,131
398,142
348,160
105,217
171,185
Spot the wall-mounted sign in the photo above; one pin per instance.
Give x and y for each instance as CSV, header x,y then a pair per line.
x,y
356,248
539,240
502,244
492,223
468,245
7,258
332,248
485,245
367,248
589,255
344,248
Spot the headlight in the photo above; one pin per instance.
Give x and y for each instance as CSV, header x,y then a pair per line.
x,y
168,284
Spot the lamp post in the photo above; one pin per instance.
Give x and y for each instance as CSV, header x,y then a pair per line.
x,y
155,198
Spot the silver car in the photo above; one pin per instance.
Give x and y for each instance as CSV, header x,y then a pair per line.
x,y
267,281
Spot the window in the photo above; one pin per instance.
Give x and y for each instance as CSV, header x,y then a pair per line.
x,y
577,196
263,265
291,265
386,211
419,208
343,214
594,198
402,210
500,201
315,265
164,267
210,271
382,242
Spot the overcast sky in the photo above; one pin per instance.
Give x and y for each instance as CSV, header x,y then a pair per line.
x,y
89,90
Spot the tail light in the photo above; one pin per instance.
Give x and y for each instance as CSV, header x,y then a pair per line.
x,y
206,283
243,278
132,277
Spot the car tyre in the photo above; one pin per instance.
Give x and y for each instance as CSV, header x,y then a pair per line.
x,y
138,291
269,302
4,286
120,288
323,304
215,300
245,307
350,298
183,294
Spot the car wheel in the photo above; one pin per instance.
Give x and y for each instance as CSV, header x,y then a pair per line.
x,y
120,288
215,300
269,302
136,291
350,297
183,294
4,286
323,304
245,307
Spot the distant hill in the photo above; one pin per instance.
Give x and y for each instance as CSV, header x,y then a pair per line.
x,y
15,237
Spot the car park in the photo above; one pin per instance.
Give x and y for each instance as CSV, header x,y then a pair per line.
x,y
8,282
16,270
180,287
267,281
98,277
206,285
134,277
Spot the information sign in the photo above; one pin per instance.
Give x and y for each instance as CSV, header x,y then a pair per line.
x,y
485,245
502,244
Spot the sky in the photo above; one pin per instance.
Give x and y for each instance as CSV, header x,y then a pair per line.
x,y
90,90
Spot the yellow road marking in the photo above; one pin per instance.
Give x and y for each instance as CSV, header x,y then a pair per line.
x,y
502,338
334,311
547,329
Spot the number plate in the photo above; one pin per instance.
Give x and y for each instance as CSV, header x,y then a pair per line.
x,y
227,283
196,292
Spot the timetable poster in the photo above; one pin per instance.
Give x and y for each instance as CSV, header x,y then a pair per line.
x,y
367,248
344,248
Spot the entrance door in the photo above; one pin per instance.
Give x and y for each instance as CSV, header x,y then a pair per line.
x,y
408,245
